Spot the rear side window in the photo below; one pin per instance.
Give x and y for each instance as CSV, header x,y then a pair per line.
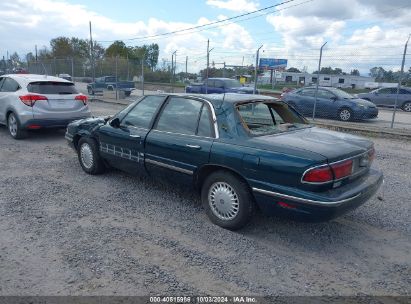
x,y
180,115
9,85
52,87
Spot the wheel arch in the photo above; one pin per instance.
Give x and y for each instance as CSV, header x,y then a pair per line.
x,y
202,173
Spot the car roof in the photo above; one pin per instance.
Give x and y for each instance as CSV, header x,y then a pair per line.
x,y
27,78
218,99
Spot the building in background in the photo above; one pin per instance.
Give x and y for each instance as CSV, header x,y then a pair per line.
x,y
327,80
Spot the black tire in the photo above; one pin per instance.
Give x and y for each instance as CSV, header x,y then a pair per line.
x,y
14,127
127,93
89,156
90,91
345,114
406,106
223,185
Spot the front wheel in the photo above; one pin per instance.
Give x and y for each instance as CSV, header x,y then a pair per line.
x,y
407,106
345,114
15,129
227,200
89,157
90,91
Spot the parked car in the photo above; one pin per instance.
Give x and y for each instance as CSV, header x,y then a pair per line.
x,y
65,76
30,102
386,97
240,151
331,103
219,86
110,83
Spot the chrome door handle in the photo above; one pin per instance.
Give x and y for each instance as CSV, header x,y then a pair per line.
x,y
193,146
135,136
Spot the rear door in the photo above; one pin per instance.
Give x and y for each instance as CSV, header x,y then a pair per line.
x,y
60,103
8,87
123,146
305,101
180,140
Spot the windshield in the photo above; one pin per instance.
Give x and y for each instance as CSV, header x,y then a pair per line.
x,y
261,118
231,83
341,94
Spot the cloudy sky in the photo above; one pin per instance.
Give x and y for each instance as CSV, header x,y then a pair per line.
x,y
359,33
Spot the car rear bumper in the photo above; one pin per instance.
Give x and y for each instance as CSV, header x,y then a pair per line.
x,y
49,123
320,207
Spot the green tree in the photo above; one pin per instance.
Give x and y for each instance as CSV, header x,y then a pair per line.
x,y
117,48
293,70
355,72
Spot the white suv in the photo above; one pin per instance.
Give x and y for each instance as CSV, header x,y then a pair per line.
x,y
29,101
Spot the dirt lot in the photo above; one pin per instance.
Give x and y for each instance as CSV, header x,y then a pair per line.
x,y
65,232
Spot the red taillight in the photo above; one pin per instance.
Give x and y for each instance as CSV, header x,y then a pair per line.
x,y
82,98
30,99
342,169
318,175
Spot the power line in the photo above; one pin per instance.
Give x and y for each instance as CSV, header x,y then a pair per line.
x,y
204,25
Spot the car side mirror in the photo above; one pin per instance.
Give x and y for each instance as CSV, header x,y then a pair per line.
x,y
334,98
115,123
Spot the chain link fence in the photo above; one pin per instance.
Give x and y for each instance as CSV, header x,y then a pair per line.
x,y
338,84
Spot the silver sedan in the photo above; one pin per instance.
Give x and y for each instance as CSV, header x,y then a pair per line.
x,y
29,102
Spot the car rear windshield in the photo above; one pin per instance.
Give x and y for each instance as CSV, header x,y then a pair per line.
x,y
262,118
52,87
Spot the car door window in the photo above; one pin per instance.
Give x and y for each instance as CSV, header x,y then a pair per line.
x,y
325,94
142,114
385,91
219,84
180,115
403,91
9,85
210,83
307,92
205,125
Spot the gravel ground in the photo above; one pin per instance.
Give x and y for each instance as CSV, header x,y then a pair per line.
x,y
63,232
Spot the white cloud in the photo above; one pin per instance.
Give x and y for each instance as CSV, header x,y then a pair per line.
x,y
26,23
234,5
376,41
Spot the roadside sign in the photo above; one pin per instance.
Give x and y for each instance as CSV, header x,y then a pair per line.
x,y
272,63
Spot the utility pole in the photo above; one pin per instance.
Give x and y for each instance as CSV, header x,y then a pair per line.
x,y
142,74
224,70
7,62
255,69
172,71
318,78
72,68
186,67
128,69
208,63
92,54
399,81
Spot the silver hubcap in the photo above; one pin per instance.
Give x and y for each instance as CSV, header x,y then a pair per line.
x,y
345,115
12,125
86,155
407,107
223,201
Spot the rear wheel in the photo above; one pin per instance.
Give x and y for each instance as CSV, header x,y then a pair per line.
x,y
15,129
407,106
345,114
227,200
89,157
